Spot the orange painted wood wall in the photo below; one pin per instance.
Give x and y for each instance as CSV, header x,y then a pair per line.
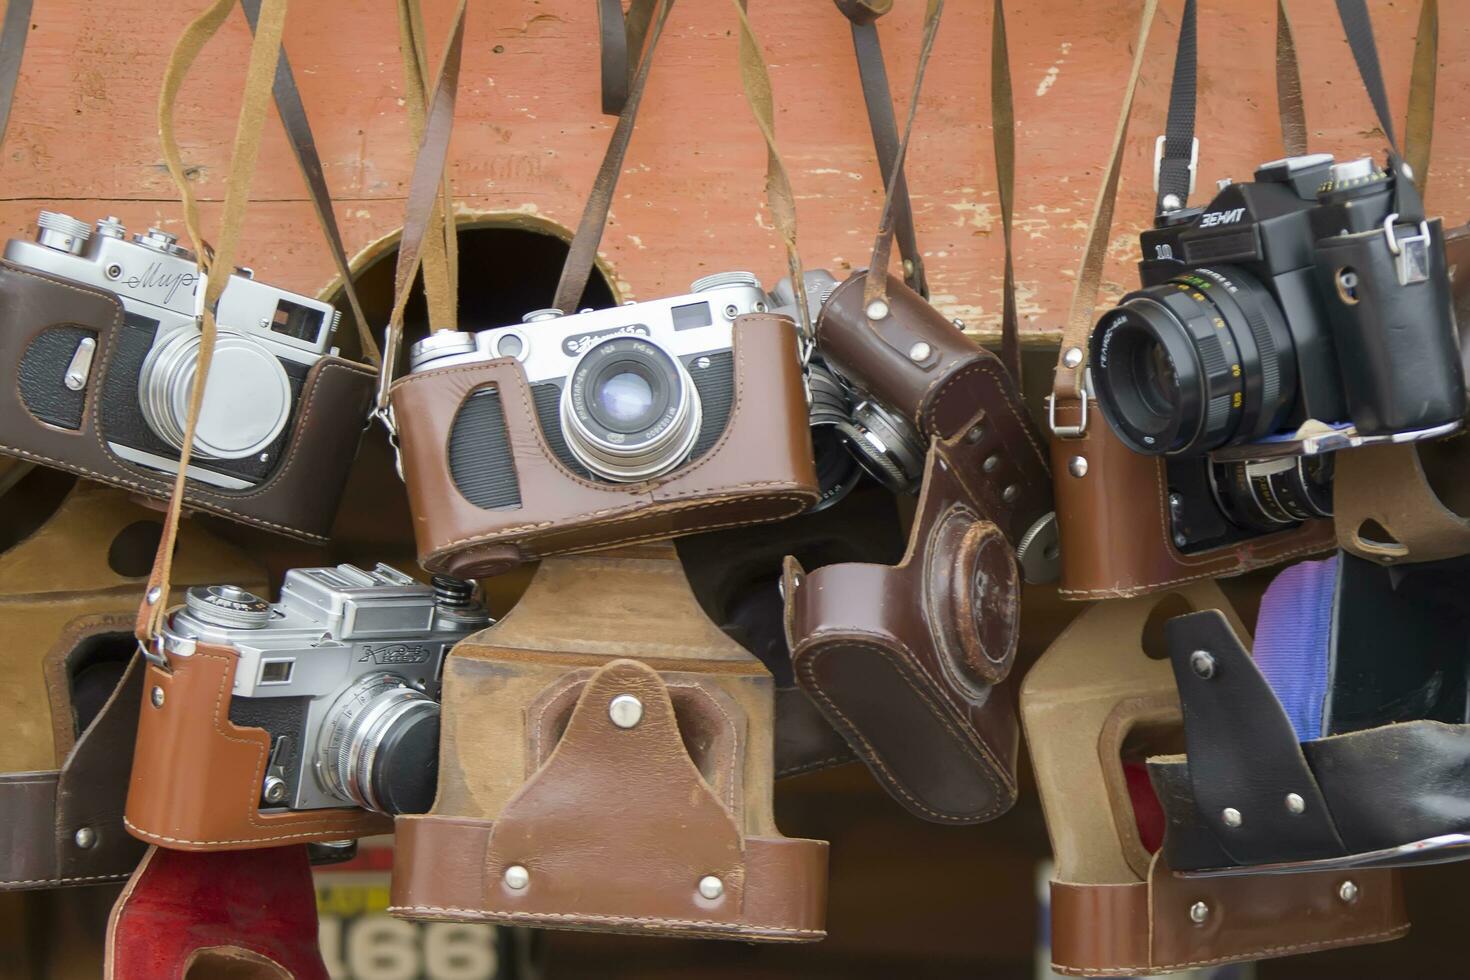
x,y
529,135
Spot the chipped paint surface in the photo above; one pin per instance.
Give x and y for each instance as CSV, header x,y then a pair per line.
x,y
690,195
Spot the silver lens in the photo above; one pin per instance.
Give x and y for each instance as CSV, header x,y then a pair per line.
x,y
355,730
247,400
884,445
629,410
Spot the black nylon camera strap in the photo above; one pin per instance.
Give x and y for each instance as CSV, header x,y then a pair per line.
x,y
1359,30
1174,166
303,145
878,97
12,49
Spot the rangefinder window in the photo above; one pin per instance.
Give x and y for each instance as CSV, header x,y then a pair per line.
x,y
691,316
295,320
276,671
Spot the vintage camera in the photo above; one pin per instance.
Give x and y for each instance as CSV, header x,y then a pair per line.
x,y
828,398
343,673
623,395
268,341
1297,296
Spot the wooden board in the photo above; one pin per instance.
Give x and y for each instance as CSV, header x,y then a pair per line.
x,y
529,135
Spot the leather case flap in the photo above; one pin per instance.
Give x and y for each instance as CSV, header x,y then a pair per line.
x,y
197,776
300,497
1398,489
904,660
242,915
759,470
618,830
1114,521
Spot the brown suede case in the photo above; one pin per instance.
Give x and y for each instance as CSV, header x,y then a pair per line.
x,y
1098,694
298,499
759,470
1113,521
197,776
63,785
616,819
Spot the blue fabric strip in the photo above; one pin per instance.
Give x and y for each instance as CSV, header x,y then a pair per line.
x,y
1294,641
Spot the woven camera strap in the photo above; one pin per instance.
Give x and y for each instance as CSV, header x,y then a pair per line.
x,y
441,246
1175,165
215,262
873,77
13,34
303,145
621,43
419,213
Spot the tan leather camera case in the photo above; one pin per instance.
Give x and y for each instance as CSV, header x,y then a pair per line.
x,y
299,499
759,470
62,793
1117,909
197,775
647,816
1113,520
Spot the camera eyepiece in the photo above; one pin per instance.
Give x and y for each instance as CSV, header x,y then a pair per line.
x,y
1198,362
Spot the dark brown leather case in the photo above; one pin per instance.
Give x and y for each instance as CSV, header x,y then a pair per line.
x,y
63,785
1095,696
298,499
1113,521
759,470
197,776
556,811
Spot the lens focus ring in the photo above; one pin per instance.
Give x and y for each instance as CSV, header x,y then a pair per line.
x,y
357,726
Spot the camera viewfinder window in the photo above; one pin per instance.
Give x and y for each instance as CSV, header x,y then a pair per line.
x,y
276,671
693,315
295,320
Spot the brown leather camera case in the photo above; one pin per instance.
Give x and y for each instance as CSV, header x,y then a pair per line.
x,y
1113,520
197,776
62,793
299,498
1117,909
654,820
759,470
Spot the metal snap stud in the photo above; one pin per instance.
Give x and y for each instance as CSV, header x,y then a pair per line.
x,y
1202,663
992,462
877,310
517,877
85,837
1295,804
1010,493
711,887
1072,357
1198,913
156,696
920,352
154,594
1231,816
1348,891
1077,466
625,710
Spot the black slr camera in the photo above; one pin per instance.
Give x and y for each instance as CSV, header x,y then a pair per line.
x,y
1296,298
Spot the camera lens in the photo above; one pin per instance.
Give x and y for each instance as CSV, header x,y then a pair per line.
x,y
1268,495
837,471
1199,362
884,445
379,746
629,410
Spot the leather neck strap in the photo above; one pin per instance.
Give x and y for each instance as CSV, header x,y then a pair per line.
x,y
12,48
441,246
582,253
215,263
420,212
622,48
875,284
1289,104
1003,126
1419,126
873,76
303,144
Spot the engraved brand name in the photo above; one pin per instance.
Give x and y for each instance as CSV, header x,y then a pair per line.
x,y
578,343
155,279
1212,218
397,653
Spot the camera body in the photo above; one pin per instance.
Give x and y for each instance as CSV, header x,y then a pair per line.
x,y
1289,298
268,341
343,673
622,395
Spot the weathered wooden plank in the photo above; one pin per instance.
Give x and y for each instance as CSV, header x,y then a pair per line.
x,y
529,136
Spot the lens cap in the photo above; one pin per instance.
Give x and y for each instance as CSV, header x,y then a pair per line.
x,y
406,765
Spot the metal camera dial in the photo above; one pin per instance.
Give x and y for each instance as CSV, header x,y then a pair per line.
x,y
62,232
227,605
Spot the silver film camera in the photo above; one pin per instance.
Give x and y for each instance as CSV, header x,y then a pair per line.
x,y
344,674
267,342
623,394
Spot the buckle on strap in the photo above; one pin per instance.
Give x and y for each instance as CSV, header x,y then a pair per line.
x,y
1411,254
1067,431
